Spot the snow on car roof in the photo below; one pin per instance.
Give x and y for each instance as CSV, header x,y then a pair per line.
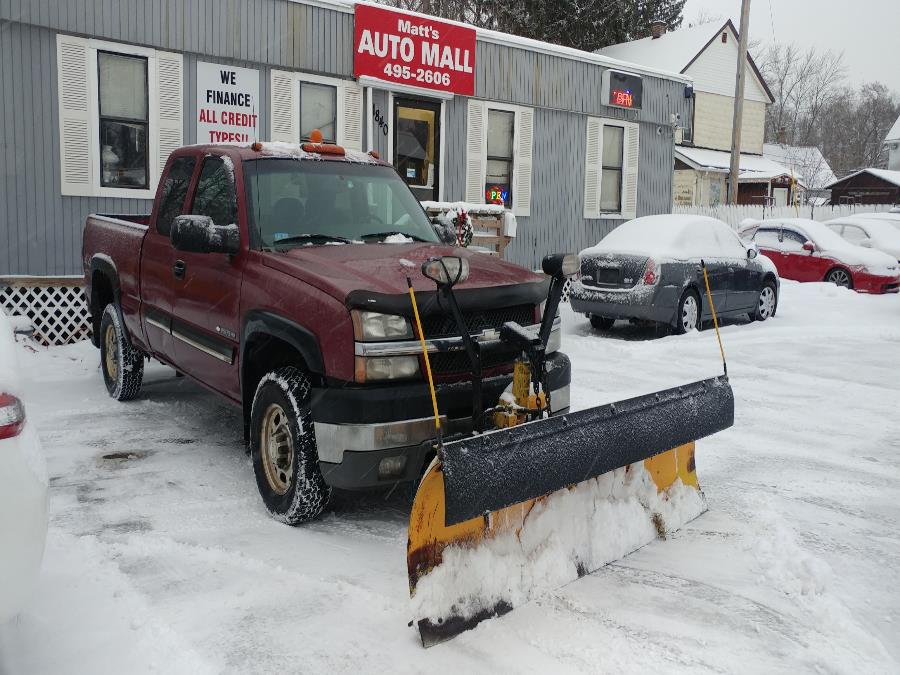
x,y
876,228
669,236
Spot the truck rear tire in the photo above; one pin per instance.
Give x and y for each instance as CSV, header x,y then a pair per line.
x,y
283,448
121,363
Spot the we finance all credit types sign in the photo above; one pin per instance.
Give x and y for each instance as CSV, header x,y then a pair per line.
x,y
413,50
227,104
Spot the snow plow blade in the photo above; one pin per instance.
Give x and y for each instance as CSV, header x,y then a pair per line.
x,y
502,515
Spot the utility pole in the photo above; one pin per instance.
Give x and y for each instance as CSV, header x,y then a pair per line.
x,y
738,119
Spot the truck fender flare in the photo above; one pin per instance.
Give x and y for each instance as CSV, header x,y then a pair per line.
x,y
100,262
261,322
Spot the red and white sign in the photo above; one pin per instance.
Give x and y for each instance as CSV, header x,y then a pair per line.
x,y
227,104
415,51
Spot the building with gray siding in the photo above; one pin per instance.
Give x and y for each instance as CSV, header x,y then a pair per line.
x,y
55,170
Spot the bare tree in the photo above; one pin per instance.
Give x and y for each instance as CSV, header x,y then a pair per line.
x,y
805,84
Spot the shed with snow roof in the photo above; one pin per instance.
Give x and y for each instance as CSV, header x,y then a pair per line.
x,y
867,186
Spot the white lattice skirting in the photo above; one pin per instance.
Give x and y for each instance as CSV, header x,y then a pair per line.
x,y
55,306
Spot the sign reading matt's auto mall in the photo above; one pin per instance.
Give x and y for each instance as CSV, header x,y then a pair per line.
x,y
413,50
227,104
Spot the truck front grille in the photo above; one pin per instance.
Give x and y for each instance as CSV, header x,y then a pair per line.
x,y
443,325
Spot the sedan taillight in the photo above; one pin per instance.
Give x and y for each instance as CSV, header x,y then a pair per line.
x,y
12,416
651,273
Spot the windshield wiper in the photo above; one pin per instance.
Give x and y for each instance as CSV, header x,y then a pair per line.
x,y
385,235
314,237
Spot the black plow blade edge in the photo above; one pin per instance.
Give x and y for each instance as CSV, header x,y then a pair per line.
x,y
434,632
501,468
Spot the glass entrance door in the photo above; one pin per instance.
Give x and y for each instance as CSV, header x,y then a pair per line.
x,y
417,140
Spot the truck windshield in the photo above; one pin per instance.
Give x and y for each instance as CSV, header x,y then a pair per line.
x,y
317,202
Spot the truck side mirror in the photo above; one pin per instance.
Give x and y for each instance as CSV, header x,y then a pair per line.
x,y
199,234
809,246
752,253
444,229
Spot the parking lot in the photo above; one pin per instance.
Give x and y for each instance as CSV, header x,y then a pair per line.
x,y
161,557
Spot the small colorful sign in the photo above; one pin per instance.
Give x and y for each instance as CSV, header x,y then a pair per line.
x,y
414,50
622,90
496,194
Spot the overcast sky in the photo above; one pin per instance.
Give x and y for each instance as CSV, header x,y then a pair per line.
x,y
865,30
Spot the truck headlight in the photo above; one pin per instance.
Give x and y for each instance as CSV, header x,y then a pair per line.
x,y
377,326
383,368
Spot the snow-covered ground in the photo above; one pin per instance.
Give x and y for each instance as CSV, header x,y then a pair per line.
x,y
161,557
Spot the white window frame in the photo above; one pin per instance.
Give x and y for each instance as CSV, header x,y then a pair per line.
x,y
518,208
338,85
629,128
153,167
341,110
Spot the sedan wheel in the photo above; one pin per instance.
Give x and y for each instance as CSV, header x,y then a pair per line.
x,y
766,306
688,313
840,277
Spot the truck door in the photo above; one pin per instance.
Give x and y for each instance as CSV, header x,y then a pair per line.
x,y
158,258
206,320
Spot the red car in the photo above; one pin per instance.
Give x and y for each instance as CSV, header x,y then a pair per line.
x,y
806,250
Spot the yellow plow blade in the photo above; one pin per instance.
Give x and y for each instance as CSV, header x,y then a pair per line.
x,y
461,574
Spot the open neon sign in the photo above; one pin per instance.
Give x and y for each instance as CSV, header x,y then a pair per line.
x,y
496,194
621,97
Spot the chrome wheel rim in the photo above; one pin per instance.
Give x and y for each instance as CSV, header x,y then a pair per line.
x,y
277,449
111,357
840,278
766,302
689,313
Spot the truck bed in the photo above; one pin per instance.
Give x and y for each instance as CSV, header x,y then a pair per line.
x,y
114,241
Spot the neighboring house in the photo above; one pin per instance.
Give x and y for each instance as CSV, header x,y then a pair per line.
x,y
867,186
708,54
892,141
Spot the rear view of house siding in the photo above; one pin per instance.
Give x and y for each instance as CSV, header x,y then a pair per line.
x,y
713,116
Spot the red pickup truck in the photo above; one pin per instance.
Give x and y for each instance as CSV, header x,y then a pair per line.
x,y
276,276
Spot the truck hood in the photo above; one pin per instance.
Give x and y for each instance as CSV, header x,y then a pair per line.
x,y
382,269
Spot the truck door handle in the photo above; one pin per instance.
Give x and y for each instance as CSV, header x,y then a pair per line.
x,y
178,269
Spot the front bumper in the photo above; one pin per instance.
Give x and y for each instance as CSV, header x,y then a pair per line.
x,y
650,303
863,282
358,427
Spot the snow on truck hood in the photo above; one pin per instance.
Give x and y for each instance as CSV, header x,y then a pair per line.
x,y
668,237
383,268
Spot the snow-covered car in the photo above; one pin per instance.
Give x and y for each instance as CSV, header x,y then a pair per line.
x,y
23,488
650,269
806,250
870,231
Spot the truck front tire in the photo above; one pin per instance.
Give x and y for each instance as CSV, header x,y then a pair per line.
x,y
283,448
121,363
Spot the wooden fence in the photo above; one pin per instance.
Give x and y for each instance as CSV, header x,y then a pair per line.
x,y
734,215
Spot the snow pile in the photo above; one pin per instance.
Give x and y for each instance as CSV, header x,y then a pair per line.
x,y
9,376
397,238
572,531
784,564
296,151
670,237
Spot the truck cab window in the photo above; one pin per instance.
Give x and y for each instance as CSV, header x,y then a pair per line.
x,y
215,196
174,191
123,120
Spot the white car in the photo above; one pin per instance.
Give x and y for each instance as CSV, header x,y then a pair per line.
x,y
23,487
870,230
